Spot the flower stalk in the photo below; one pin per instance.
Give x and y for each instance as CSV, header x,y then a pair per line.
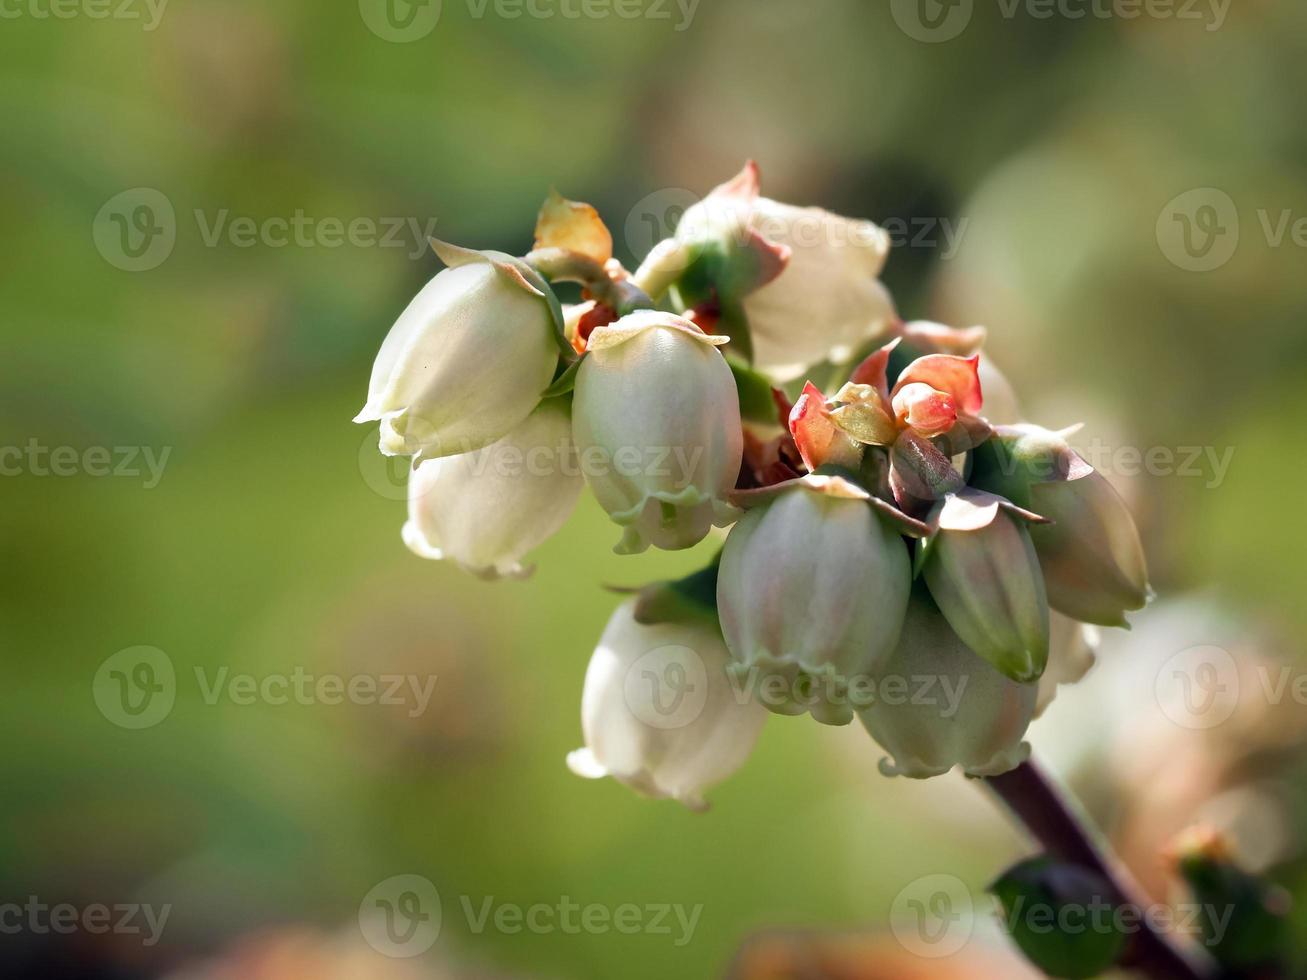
x,y
607,282
902,523
1046,813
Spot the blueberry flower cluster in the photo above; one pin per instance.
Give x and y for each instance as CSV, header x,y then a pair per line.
x,y
891,516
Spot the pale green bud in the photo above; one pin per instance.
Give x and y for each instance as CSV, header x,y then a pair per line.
x,y
982,571
1092,557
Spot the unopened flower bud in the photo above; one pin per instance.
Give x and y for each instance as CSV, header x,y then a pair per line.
x,y
971,716
659,712
467,360
1000,399
1091,554
983,574
657,423
486,509
811,593
827,301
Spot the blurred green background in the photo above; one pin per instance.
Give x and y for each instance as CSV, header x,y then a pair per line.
x,y
1031,169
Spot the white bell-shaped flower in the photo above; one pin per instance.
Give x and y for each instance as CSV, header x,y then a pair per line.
x,y
811,592
486,509
656,419
466,361
659,712
941,705
827,302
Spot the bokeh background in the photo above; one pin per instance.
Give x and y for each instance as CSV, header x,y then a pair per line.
x,y
1121,199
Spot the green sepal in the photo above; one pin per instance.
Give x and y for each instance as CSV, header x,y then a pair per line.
x,y
994,468
564,381
733,322
705,275
755,392
843,472
555,310
1040,894
691,598
921,554
719,275
887,510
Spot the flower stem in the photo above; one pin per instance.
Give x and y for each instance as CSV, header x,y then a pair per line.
x,y
609,284
1053,820
661,267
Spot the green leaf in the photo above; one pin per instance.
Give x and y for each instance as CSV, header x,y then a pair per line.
x,y
1244,920
1061,918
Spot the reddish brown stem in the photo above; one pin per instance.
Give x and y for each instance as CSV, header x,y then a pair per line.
x,y
1063,832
